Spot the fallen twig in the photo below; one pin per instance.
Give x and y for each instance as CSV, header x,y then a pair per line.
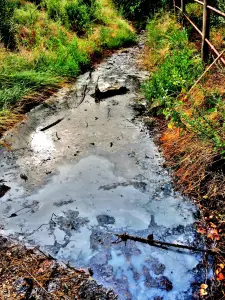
x,y
124,237
51,125
25,269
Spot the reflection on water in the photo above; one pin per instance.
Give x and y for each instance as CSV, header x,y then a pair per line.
x,y
41,142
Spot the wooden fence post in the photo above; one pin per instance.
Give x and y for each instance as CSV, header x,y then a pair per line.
x,y
205,31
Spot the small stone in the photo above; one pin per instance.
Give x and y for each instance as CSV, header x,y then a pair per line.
x,y
105,220
4,189
164,283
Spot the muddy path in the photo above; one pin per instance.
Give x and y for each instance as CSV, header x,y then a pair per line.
x,y
82,167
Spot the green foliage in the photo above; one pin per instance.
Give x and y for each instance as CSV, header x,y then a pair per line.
x,y
55,9
178,69
174,76
14,86
27,14
201,122
52,51
110,39
7,30
140,10
65,60
79,16
176,73
76,14
194,11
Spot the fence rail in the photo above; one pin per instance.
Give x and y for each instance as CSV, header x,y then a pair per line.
x,y
212,8
205,33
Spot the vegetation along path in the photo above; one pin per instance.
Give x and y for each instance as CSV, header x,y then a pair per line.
x,y
82,167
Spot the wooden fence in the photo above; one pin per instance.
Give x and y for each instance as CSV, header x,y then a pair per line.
x,y
205,32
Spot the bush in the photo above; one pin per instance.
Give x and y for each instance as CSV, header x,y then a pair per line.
x,y
194,11
28,14
140,10
178,69
65,60
123,37
7,30
78,15
55,10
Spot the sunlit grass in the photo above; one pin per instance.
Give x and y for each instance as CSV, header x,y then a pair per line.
x,y
50,51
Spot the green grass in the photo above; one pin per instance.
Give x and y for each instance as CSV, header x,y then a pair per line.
x,y
53,41
177,67
177,70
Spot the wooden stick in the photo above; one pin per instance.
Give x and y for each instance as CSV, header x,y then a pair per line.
x,y
51,125
26,270
207,40
207,69
150,241
219,12
205,32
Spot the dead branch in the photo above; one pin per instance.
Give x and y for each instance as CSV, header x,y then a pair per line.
x,y
124,237
25,268
51,125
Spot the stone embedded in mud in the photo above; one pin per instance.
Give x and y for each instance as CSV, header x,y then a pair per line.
x,y
105,220
141,186
101,239
164,283
158,268
71,221
4,189
109,92
63,202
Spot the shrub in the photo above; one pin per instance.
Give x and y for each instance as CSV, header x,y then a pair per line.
x,y
78,15
65,60
7,30
140,10
194,11
122,37
27,14
173,72
55,10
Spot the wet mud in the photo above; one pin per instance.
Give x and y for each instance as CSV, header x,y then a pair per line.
x,y
94,173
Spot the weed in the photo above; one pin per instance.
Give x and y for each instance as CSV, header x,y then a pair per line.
x,y
112,39
173,73
7,30
27,14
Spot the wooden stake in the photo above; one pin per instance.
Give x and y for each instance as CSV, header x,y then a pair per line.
x,y
205,32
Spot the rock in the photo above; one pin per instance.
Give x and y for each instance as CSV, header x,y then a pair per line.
x,y
24,177
4,189
109,92
105,220
158,268
164,283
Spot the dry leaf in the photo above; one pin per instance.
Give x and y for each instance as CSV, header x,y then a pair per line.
x,y
212,225
220,277
201,230
203,292
204,286
213,234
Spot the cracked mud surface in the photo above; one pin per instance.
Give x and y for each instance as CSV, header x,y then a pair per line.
x,y
95,173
